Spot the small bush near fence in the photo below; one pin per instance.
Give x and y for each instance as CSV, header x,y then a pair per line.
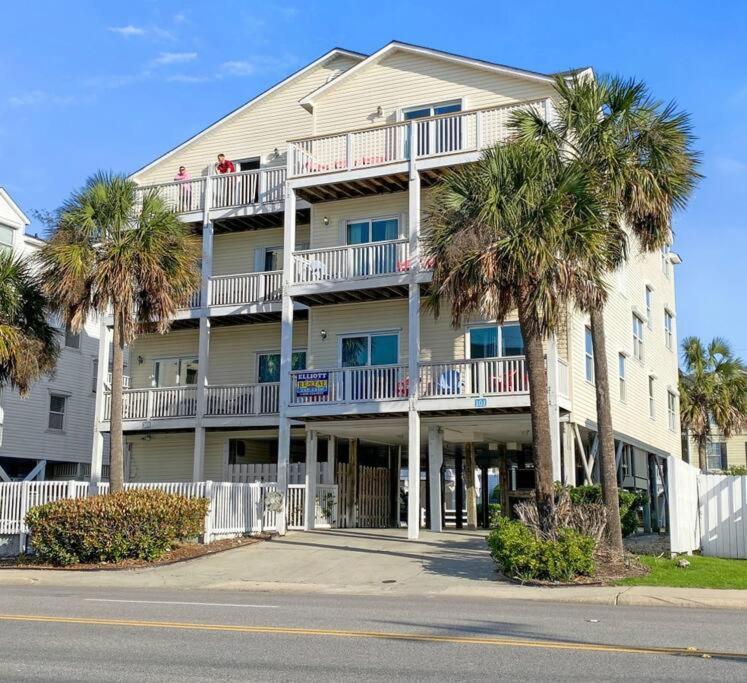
x,y
630,502
136,524
521,554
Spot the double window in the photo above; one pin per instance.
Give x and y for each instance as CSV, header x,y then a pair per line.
x,y
493,341
649,307
668,330
174,372
588,355
57,412
378,260
637,337
651,399
672,411
268,365
439,136
716,458
378,348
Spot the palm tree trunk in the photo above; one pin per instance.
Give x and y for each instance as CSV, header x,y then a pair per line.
x,y
702,459
606,443
116,456
540,417
469,451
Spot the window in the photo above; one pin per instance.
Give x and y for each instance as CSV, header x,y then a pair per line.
x,y
6,238
672,411
493,341
649,307
95,378
72,339
668,329
651,402
268,365
382,259
369,349
57,412
716,455
273,259
588,355
174,372
637,337
621,375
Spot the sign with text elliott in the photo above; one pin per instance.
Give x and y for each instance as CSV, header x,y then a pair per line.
x,y
312,384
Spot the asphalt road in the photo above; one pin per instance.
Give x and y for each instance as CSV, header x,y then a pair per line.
x,y
72,634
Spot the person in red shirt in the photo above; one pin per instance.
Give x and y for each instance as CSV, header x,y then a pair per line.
x,y
224,165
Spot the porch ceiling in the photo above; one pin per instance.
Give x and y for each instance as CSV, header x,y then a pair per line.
x,y
257,221
365,187
353,296
254,318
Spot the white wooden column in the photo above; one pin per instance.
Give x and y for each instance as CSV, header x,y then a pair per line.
x,y
435,461
286,350
331,459
569,454
311,479
413,345
552,398
102,371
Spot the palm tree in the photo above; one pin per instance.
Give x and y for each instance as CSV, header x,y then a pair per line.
x,y
518,231
114,251
28,343
638,156
713,392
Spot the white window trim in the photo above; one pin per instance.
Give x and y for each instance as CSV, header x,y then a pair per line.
x,y
369,334
399,217
622,380
475,325
651,388
649,309
588,355
60,394
669,334
461,101
161,359
672,412
641,339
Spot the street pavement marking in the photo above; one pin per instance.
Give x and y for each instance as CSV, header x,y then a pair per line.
x,y
176,602
383,635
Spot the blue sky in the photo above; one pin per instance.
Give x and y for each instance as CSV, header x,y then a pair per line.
x,y
89,85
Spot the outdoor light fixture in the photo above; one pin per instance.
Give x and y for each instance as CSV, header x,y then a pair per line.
x,y
325,220
140,360
379,111
323,334
275,153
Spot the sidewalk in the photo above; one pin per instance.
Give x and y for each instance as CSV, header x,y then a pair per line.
x,y
369,562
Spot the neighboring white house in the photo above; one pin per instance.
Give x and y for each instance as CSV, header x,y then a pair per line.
x,y
47,435
309,326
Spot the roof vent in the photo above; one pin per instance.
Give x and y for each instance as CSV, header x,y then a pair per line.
x,y
333,75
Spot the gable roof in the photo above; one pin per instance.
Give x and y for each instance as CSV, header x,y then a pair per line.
x,y
308,101
334,52
23,219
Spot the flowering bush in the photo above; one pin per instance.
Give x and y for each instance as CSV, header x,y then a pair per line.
x,y
137,524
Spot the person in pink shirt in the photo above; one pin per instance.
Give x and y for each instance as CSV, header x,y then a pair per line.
x,y
185,190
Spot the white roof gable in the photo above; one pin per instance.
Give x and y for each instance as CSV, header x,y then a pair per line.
x,y
10,213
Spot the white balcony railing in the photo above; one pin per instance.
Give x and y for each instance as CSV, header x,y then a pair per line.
x,y
155,404
247,288
487,377
563,378
183,196
352,261
246,188
466,131
125,381
243,399
261,186
349,385
195,301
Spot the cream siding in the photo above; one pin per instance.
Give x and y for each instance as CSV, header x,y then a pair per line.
x,y
402,80
257,131
627,292
235,252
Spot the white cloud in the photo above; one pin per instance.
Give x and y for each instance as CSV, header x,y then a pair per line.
x,y
180,18
255,64
187,78
729,166
238,68
288,12
128,31
166,58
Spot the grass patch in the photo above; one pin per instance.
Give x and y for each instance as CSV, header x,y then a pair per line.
x,y
703,572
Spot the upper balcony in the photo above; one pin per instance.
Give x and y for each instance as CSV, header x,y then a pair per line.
x,y
433,142
247,194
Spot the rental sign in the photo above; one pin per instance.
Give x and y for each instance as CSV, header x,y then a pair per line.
x,y
312,384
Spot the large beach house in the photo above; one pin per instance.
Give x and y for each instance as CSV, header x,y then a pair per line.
x,y
307,355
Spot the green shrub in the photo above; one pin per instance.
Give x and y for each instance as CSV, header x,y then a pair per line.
x,y
519,553
494,514
629,503
737,471
136,524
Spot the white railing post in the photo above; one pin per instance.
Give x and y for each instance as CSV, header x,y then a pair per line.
x,y
25,485
478,130
349,151
149,404
349,262
481,377
209,494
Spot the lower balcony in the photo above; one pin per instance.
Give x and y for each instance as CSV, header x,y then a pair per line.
x,y
246,289
176,407
452,385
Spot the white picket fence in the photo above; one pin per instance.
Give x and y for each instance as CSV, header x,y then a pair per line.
x,y
252,472
235,507
707,512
